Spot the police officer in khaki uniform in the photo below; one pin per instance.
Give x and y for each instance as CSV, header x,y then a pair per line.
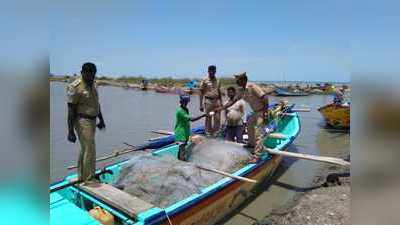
x,y
258,101
83,110
210,98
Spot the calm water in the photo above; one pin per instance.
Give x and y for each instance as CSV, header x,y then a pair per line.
x,y
130,116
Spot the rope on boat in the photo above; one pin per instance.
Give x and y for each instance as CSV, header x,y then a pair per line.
x,y
169,220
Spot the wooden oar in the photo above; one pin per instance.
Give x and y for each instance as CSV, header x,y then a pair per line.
x,y
326,159
115,154
301,110
277,135
227,174
332,160
163,132
273,135
155,138
76,181
66,185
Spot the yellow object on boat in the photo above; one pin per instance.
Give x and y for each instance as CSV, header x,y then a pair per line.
x,y
336,115
102,216
330,90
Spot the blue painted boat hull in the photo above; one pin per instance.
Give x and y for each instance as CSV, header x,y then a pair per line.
x,y
283,92
164,141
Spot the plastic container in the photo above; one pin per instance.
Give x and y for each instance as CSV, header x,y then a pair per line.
x,y
102,216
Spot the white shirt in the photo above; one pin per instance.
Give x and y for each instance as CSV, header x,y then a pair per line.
x,y
235,113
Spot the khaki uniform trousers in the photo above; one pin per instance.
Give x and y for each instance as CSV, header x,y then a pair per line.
x,y
86,129
255,131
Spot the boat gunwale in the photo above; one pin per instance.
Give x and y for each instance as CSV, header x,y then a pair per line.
x,y
282,92
173,210
334,105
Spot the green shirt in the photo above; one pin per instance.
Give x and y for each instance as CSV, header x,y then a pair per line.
x,y
182,125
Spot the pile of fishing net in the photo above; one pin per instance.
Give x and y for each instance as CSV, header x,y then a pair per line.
x,y
164,180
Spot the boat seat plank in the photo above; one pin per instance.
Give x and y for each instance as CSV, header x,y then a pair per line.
x,y
116,198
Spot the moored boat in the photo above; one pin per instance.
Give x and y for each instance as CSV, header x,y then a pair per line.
x,y
336,115
162,89
71,204
284,92
317,91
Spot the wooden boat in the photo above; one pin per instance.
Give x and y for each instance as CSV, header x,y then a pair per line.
x,y
317,91
337,116
70,204
328,88
162,89
284,92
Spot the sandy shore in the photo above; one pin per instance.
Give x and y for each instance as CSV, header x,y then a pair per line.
x,y
178,86
322,205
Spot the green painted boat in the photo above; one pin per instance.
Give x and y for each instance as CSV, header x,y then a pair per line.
x,y
71,205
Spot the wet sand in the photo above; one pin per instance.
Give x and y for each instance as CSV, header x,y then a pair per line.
x,y
282,202
327,203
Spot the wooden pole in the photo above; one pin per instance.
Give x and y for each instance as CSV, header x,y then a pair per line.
x,y
277,135
113,155
227,174
163,132
301,110
326,159
76,181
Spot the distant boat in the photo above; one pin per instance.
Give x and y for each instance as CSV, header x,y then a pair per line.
x,y
328,88
162,89
284,92
317,91
337,116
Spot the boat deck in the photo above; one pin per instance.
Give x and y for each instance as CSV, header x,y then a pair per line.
x,y
116,198
60,207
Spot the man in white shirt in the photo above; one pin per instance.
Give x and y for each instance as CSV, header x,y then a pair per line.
x,y
234,117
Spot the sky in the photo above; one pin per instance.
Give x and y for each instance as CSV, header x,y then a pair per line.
x,y
270,40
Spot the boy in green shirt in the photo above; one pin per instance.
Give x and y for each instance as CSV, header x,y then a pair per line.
x,y
182,125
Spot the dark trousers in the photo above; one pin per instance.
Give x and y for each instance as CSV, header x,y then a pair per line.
x,y
234,132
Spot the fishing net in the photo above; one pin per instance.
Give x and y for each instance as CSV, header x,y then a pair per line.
x,y
164,180
219,155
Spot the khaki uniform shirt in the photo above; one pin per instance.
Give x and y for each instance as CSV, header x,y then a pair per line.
x,y
210,88
253,94
86,98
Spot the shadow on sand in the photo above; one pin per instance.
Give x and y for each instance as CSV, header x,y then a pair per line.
x,y
264,185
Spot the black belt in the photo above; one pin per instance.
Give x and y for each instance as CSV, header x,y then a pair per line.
x,y
211,98
86,116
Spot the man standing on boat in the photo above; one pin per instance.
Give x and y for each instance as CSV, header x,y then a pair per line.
x,y
182,125
258,101
83,110
338,98
210,98
234,117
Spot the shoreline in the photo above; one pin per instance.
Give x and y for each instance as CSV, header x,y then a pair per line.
x,y
179,86
319,205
